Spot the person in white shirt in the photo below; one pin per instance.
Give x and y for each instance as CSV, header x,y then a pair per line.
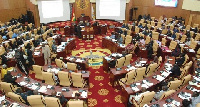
x,y
137,97
46,51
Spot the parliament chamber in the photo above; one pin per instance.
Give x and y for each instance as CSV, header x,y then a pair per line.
x,y
148,59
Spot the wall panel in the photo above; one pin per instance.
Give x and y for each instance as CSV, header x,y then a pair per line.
x,y
11,9
148,7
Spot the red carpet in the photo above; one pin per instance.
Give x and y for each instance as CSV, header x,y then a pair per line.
x,y
101,93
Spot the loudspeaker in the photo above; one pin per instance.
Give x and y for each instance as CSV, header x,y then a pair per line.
x,y
135,8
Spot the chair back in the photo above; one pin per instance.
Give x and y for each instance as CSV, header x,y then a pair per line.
x,y
186,59
193,44
64,78
159,61
196,25
163,42
72,66
174,85
184,72
186,79
129,78
188,27
77,80
140,73
166,94
183,38
146,98
7,87
155,47
36,101
155,35
197,37
59,63
151,69
78,103
38,71
49,78
120,62
127,59
172,45
52,102
177,36
148,39
128,39
15,97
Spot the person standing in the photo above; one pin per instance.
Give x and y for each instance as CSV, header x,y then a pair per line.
x,y
46,51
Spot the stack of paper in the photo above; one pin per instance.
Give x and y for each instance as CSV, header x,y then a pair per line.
x,y
135,89
84,94
79,60
43,89
159,78
165,74
34,86
131,68
22,83
36,53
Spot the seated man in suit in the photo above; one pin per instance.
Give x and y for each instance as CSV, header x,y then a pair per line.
x,y
24,94
9,78
177,51
181,60
150,49
175,71
120,40
4,58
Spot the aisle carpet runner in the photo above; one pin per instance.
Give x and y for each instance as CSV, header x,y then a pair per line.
x,y
101,93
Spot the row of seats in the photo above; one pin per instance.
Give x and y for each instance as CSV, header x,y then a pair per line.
x,y
173,86
65,78
140,73
40,101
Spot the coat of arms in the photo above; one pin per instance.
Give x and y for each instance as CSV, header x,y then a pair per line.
x,y
82,4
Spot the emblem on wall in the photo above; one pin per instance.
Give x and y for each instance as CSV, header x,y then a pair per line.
x,y
82,4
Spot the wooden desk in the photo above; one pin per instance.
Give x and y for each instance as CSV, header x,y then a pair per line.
x,y
112,46
83,65
39,59
67,95
164,51
142,50
190,54
127,90
85,75
116,75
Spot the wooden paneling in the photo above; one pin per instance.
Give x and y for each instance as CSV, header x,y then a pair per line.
x,y
11,9
82,7
34,8
148,7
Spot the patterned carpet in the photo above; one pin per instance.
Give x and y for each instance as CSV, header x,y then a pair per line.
x,y
101,93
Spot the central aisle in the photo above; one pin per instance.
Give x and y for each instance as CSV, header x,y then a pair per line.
x,y
101,93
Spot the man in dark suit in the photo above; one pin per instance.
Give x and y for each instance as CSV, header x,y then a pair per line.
x,y
150,49
175,71
9,78
24,94
4,59
181,60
